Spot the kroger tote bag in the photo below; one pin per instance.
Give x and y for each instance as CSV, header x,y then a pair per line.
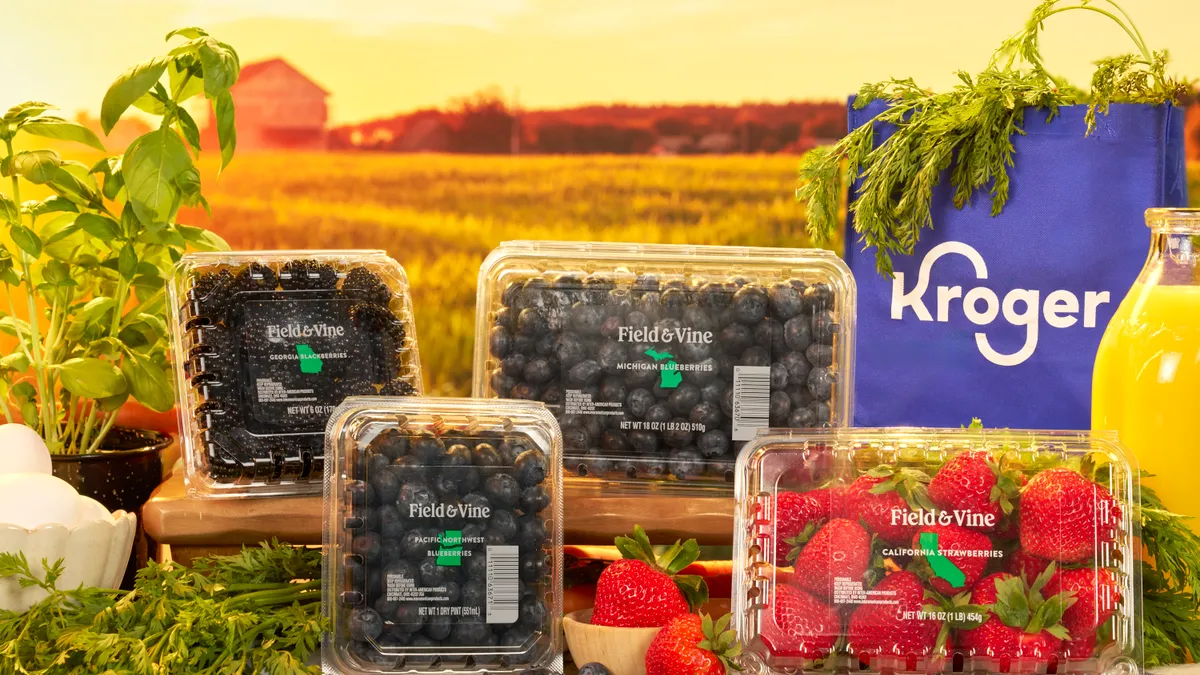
x,y
1000,317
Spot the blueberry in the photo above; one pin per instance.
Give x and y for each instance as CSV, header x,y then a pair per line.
x,y
408,618
712,391
821,411
413,546
755,356
408,468
735,338
596,289
367,545
593,669
502,490
587,318
615,441
533,568
819,354
780,408
713,443
802,417
570,349
532,323
779,376
685,464
504,524
798,333
683,399
365,624
611,327
506,318
584,372
391,443
575,439
800,395
532,535
530,468
485,456
824,327
391,523
797,366
453,590
414,495
678,435
390,550
386,485
509,451
638,401
658,414
538,370
534,499
514,365
707,414
429,450
438,627
545,345
727,403
646,282
502,383
610,357
499,342
525,391
820,383
361,493
750,304
444,486
532,612
694,351
785,300
643,441
470,631
474,592
698,319
613,390
818,296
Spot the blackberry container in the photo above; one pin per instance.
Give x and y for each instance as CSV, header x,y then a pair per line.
x,y
267,344
907,550
443,537
661,361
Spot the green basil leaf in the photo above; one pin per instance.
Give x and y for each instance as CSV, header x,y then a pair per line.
x,y
221,67
151,165
148,382
100,227
190,33
129,87
113,403
58,273
188,128
9,211
37,166
91,378
15,362
27,240
72,187
226,128
96,308
201,239
18,328
54,204
177,72
63,233
62,130
25,110
127,262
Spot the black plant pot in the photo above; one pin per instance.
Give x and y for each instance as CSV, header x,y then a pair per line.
x,y
121,477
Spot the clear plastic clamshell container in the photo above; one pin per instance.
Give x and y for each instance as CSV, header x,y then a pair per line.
x,y
443,537
937,550
661,361
267,344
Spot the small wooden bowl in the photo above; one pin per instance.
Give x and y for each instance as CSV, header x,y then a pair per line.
x,y
621,650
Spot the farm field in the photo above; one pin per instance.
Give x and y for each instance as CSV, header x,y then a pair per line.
x,y
440,215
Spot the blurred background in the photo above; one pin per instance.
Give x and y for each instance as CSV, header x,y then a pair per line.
x,y
435,130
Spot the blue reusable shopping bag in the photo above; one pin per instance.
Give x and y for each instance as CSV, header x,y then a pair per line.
x,y
1000,317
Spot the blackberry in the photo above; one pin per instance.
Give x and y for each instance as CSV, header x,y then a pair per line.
x,y
299,275
364,284
256,277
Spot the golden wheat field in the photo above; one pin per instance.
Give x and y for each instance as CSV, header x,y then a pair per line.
x,y
440,215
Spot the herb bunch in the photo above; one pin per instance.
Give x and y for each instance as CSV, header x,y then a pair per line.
x,y
255,612
965,133
84,269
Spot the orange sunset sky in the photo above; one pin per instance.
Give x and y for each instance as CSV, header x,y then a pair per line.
x,y
379,57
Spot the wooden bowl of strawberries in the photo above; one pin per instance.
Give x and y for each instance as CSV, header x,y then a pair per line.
x,y
635,597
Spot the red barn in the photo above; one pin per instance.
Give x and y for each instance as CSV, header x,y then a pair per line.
x,y
278,107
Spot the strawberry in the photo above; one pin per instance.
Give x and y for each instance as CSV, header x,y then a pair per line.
x,y
967,551
973,487
1081,649
882,497
645,591
1065,516
901,628
793,512
1097,594
839,549
795,624
1028,567
1023,630
691,645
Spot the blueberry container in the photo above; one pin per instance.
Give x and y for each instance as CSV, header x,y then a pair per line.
x,y
661,361
443,537
905,550
267,344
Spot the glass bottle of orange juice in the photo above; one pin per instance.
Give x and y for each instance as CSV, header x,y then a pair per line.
x,y
1146,384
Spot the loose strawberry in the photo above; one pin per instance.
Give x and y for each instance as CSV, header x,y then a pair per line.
x,y
1028,567
1023,630
841,549
795,624
1097,594
974,487
884,497
795,511
691,645
1064,516
967,551
905,626
644,591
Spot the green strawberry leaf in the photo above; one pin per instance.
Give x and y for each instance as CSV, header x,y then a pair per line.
x,y
882,471
797,542
943,637
1044,578
679,556
637,548
722,624
706,624
1059,632
694,589
882,488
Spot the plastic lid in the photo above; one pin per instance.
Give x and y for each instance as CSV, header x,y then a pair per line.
x,y
443,537
660,361
922,550
266,344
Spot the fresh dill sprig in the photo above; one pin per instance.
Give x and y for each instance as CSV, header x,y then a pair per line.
x,y
966,132
253,612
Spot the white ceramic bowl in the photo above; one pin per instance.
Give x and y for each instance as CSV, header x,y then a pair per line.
x,y
94,553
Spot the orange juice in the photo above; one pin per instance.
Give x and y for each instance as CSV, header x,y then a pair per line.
x,y
1146,385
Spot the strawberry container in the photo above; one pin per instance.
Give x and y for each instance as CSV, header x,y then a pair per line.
x,y
443,537
937,550
661,361
266,345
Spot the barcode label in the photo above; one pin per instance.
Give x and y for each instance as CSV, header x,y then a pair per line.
x,y
751,401
503,564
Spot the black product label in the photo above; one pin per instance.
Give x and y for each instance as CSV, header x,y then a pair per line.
x,y
303,358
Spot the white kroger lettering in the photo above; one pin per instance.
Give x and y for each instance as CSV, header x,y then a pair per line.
x,y
981,305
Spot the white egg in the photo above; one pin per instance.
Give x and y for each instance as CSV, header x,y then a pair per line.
x,y
91,510
22,450
30,500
